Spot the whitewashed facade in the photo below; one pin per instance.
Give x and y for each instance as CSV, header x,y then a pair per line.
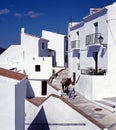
x,y
92,62
12,99
31,57
58,43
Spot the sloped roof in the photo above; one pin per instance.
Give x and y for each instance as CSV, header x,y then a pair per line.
x,y
98,115
12,74
36,100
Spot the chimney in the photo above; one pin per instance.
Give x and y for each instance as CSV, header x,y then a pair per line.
x,y
22,30
94,10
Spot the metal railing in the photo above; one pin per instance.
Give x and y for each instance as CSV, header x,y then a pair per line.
x,y
75,44
90,71
93,39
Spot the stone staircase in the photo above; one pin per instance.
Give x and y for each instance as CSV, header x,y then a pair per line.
x,y
57,80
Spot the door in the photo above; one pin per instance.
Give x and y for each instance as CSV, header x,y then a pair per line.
x,y
74,77
44,87
95,55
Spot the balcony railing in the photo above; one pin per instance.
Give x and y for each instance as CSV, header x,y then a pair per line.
x,y
91,71
75,44
93,39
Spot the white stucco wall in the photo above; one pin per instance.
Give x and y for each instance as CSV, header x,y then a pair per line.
x,y
45,67
12,96
52,90
7,105
12,57
29,43
36,88
56,42
20,95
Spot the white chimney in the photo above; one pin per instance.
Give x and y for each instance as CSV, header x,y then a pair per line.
x,y
94,10
22,30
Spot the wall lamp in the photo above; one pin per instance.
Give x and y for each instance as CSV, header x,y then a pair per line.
x,y
101,39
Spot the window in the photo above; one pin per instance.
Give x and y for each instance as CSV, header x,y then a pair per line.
x,y
74,77
96,32
96,27
43,45
66,58
37,67
44,87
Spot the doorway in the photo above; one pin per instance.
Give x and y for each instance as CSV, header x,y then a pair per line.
x,y
95,55
44,87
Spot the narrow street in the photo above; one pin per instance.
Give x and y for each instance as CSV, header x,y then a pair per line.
x,y
89,109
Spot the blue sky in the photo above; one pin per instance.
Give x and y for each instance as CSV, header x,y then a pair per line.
x,y
38,15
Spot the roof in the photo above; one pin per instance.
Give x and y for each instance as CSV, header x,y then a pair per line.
x,y
37,37
36,100
89,17
12,74
98,115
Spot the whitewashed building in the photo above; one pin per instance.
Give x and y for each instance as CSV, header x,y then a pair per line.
x,y
33,58
36,62
58,43
12,99
92,50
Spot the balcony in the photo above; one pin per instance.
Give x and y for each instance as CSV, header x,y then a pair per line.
x,y
94,39
91,71
75,44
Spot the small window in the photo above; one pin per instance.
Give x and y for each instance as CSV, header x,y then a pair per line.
x,y
43,45
66,58
37,67
96,27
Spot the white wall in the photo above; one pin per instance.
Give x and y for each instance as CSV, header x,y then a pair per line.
x,y
35,77
56,42
45,67
7,105
52,90
12,95
20,95
12,57
29,44
36,88
89,29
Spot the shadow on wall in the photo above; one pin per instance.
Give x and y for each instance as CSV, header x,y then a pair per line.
x,y
29,91
103,52
91,50
40,122
76,54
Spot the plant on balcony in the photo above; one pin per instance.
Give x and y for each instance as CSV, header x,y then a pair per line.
x,y
100,72
91,71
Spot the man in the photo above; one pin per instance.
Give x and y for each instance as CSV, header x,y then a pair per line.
x,y
72,91
63,82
